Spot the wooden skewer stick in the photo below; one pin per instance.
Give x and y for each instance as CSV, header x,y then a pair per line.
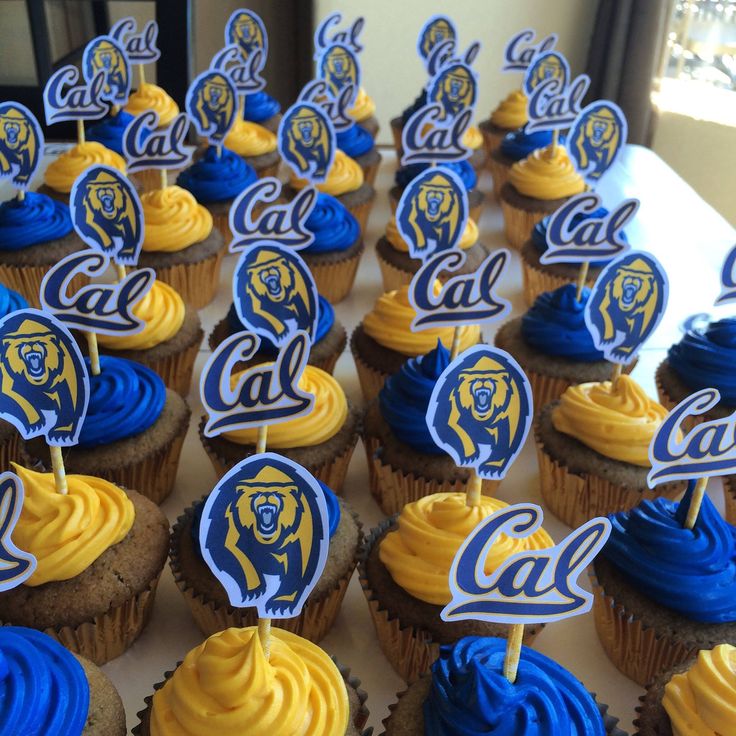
x,y
80,132
475,490
264,634
141,75
617,368
94,353
120,270
57,465
455,349
513,652
582,278
553,148
695,503
164,179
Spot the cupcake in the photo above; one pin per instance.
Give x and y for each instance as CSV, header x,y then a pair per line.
x,y
404,462
695,698
383,341
473,139
227,685
132,434
209,603
398,267
48,691
168,343
467,688
363,112
663,592
463,169
99,551
539,277
330,338
10,440
321,441
263,109
357,143
510,115
405,569
537,186
109,132
256,145
553,345
36,232
346,183
593,450
514,146
181,245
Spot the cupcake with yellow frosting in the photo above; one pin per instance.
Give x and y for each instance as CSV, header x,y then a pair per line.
x,y
405,571
209,603
509,115
181,244
99,551
383,341
345,182
593,450
256,145
398,268
322,441
228,685
697,698
537,186
363,112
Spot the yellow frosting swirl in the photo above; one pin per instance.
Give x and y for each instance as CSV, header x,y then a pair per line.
x,y
162,309
61,173
152,97
473,138
702,701
389,325
618,420
174,220
364,106
250,139
511,112
468,239
227,686
419,554
66,533
328,414
546,173
345,175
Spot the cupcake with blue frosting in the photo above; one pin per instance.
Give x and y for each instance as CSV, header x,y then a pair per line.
x,y
664,592
256,145
330,338
46,690
109,132
515,146
467,693
263,109
132,434
358,143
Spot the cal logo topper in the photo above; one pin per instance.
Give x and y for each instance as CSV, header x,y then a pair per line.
x,y
626,305
16,566
244,73
437,30
104,54
338,66
146,146
66,98
212,103
522,48
140,47
21,144
307,141
481,410
264,534
247,30
454,89
336,108
529,587
728,278
596,138
45,387
348,37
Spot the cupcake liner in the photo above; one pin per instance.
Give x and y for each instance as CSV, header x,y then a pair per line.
x,y
536,282
518,223
222,222
26,280
150,179
272,170
499,174
362,212
335,279
371,380
669,403
409,650
392,277
177,369
491,140
370,171
196,282
575,499
396,131
314,622
729,500
638,651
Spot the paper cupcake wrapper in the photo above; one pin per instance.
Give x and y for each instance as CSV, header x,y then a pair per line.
x,y
150,179
196,282
491,141
177,369
360,717
222,223
536,282
499,174
362,212
371,171
371,381
392,277
396,135
335,280
26,280
638,651
518,224
272,170
575,499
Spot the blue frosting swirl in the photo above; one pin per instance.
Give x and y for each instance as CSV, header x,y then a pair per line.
x,y
555,325
519,144
691,571
43,688
355,141
405,396
325,320
420,101
470,696
34,219
109,132
539,234
217,178
463,169
124,400
705,357
10,301
260,106
333,225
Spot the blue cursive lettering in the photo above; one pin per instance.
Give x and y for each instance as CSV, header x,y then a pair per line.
x,y
553,105
520,51
64,99
427,138
147,147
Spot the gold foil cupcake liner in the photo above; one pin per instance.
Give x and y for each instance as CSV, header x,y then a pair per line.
x,y
26,280
499,174
150,179
396,135
638,651
536,282
518,223
371,380
361,212
335,279
177,369
196,283
370,171
222,222
392,277
491,140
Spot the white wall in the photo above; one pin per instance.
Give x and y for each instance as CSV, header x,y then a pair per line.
x,y
393,74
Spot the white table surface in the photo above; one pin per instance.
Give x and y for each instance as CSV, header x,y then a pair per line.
x,y
688,237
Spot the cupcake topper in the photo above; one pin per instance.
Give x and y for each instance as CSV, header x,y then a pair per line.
x,y
282,223
337,108
45,383
339,68
141,47
67,97
104,54
306,141
523,48
21,145
146,146
16,566
324,36
245,29
244,73
212,102
437,30
728,279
